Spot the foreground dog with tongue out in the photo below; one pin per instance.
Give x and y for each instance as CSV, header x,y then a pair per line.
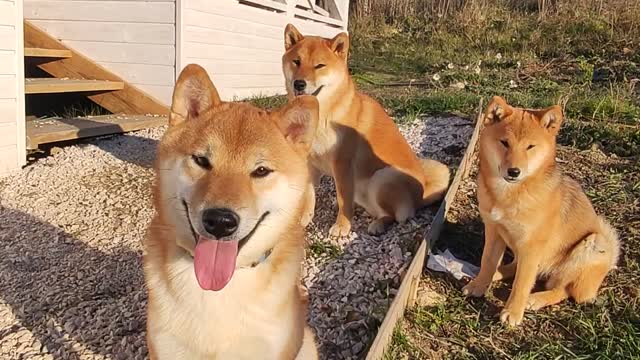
x,y
224,251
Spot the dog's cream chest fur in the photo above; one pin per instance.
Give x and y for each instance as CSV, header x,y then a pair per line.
x,y
221,323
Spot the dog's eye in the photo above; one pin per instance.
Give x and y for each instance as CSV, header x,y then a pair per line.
x,y
320,66
504,143
297,62
530,147
201,161
261,172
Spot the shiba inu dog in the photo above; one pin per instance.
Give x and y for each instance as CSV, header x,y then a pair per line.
x,y
542,216
224,252
356,142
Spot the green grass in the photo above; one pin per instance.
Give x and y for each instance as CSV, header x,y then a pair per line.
x,y
583,58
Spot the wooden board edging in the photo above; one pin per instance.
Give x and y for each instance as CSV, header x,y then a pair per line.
x,y
407,292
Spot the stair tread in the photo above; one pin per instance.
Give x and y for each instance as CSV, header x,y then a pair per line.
x,y
57,85
48,130
50,53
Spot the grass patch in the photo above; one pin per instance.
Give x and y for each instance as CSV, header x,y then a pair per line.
x,y
323,248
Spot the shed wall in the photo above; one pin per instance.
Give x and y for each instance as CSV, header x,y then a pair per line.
x,y
133,38
12,137
241,43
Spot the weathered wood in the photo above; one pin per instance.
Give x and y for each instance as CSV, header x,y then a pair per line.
x,y
49,130
48,53
408,288
129,100
55,85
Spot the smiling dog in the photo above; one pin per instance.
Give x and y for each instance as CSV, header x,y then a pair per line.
x,y
224,250
544,217
356,141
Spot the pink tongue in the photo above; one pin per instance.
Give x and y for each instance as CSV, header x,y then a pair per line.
x,y
215,262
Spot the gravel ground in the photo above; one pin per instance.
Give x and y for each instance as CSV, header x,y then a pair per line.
x,y
71,230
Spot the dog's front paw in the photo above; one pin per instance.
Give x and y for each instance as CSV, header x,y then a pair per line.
x,y
475,288
511,316
340,228
377,227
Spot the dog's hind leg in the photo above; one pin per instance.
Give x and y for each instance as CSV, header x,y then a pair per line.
x,y
506,271
545,298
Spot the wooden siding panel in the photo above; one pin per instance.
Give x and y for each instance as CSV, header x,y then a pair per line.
x,y
118,32
232,25
222,37
8,87
7,37
162,93
8,111
7,13
9,156
143,74
120,11
125,53
230,53
8,133
8,62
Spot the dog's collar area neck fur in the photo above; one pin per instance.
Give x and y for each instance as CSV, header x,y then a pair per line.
x,y
262,259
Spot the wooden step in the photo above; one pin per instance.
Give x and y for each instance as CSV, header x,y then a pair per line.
x,y
47,53
55,85
49,130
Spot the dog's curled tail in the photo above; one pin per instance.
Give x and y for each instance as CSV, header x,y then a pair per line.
x,y
436,183
608,242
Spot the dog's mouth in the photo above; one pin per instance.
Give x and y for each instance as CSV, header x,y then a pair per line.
x,y
242,241
315,93
214,260
511,180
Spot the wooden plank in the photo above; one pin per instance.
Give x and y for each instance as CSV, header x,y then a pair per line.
x,y
44,131
129,100
135,12
52,53
130,33
233,10
143,74
55,85
406,292
237,67
224,52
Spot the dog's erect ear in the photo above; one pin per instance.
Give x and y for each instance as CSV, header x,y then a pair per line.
x,y
340,45
550,119
298,120
497,110
291,36
193,94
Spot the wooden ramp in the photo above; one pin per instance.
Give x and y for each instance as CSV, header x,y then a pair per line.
x,y
50,130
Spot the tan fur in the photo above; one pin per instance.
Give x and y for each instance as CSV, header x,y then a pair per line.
x,y
542,216
260,313
357,142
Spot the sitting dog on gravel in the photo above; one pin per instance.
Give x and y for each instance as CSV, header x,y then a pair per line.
x,y
224,251
542,216
356,141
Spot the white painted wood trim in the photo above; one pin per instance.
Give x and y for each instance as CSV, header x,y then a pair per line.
x,y
180,29
20,100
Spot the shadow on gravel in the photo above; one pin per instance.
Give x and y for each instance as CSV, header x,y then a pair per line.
x,y
73,299
133,149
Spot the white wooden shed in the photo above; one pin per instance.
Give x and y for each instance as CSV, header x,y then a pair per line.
x,y
126,54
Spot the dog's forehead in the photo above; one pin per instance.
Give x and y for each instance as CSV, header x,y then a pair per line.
x,y
310,47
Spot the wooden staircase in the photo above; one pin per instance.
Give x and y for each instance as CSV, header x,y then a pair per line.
x,y
73,72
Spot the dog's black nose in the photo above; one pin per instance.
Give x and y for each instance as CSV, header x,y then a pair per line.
x,y
299,85
220,222
513,172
